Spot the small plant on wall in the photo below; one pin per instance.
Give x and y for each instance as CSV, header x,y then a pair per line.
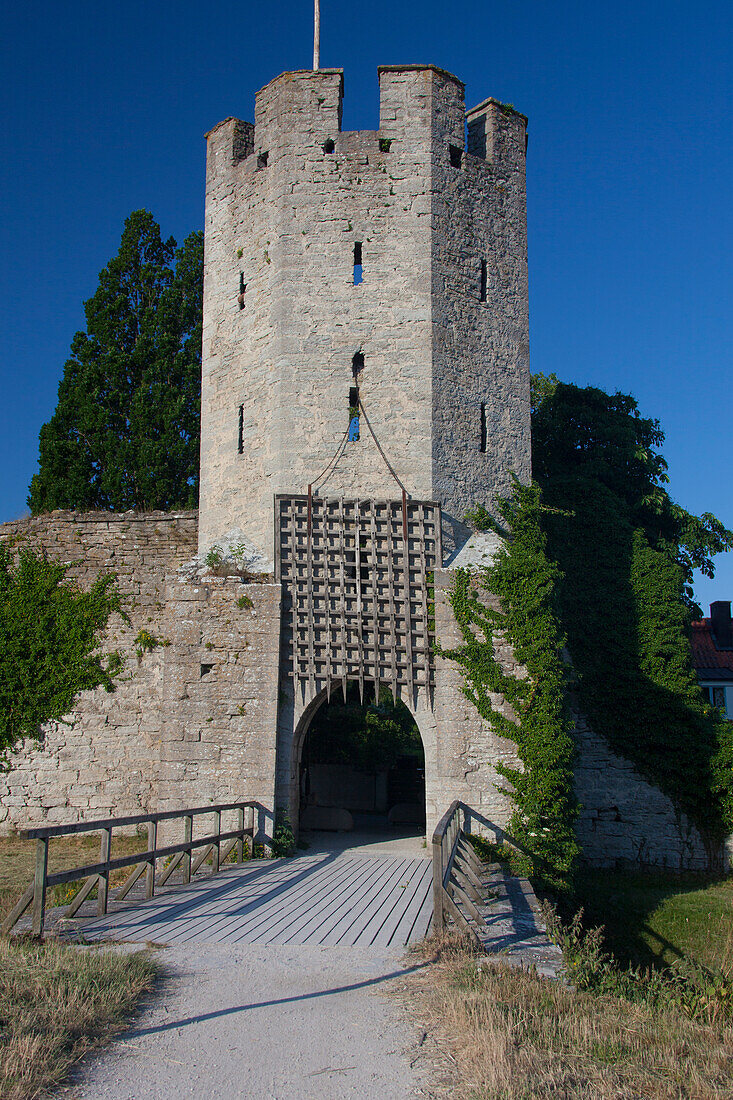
x,y
214,557
145,642
232,562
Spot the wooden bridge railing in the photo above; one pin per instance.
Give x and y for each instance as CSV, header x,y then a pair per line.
x,y
97,874
457,884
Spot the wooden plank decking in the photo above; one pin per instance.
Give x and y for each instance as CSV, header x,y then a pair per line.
x,y
342,899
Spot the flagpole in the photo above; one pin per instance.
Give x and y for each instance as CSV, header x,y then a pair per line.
x,y
317,36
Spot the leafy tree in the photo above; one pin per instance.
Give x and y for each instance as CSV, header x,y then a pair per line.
x,y
583,437
48,644
627,554
126,428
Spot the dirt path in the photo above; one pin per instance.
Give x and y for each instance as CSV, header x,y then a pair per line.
x,y
277,1023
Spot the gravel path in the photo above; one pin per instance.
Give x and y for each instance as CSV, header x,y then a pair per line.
x,y
278,1023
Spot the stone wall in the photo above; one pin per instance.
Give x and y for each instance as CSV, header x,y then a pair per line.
x,y
141,548
481,404
468,748
191,721
624,820
203,717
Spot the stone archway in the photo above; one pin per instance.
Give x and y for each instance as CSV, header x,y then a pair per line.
x,y
295,722
362,767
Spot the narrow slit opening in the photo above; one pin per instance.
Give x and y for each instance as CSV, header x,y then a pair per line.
x,y
482,440
242,290
353,436
358,268
482,293
240,434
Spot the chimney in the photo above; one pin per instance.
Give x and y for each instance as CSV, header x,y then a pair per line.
x,y
721,624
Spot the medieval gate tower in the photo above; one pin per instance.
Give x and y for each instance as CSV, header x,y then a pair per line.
x,y
365,369
365,382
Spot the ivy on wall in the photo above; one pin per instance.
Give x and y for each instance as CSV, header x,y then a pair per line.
x,y
48,643
627,555
621,603
524,580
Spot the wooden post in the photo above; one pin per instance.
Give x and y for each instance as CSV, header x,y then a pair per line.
x,y
103,881
216,846
240,842
262,838
152,845
39,885
187,837
438,870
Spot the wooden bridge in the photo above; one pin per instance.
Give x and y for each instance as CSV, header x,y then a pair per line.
x,y
339,899
387,894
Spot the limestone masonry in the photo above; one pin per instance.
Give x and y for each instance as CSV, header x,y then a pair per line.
x,y
440,318
365,381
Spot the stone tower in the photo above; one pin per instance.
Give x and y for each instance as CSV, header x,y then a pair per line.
x,y
386,268
365,382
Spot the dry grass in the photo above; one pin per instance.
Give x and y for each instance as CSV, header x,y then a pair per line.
x,y
56,1003
510,1035
17,860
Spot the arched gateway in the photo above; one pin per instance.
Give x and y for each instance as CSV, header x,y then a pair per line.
x,y
347,756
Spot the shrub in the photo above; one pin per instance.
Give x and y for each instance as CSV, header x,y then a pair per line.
x,y
283,838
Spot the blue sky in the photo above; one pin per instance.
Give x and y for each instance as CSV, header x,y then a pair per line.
x,y
630,177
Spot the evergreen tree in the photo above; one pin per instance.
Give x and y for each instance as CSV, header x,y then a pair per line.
x,y
125,432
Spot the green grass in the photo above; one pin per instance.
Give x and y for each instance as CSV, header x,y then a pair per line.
x,y
656,919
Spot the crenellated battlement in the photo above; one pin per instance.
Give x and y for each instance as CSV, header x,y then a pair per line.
x,y
420,106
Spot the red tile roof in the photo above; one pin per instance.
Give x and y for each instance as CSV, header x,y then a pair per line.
x,y
706,657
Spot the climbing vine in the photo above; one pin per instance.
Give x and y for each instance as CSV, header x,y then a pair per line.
x,y
48,643
628,629
627,555
524,579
